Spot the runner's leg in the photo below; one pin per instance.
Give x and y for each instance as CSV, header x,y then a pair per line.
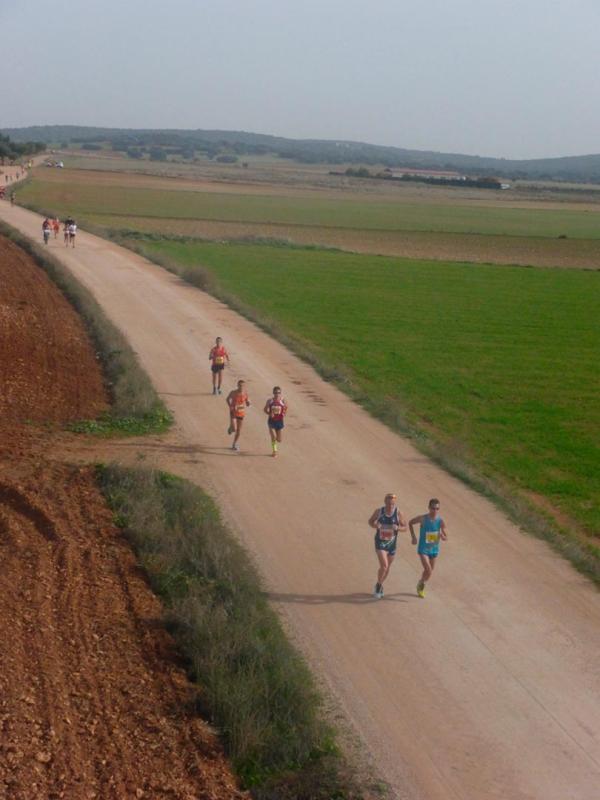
x,y
390,560
428,565
238,430
383,559
432,563
273,435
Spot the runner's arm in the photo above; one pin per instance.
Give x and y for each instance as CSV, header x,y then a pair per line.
x,y
414,521
443,531
267,408
401,522
373,518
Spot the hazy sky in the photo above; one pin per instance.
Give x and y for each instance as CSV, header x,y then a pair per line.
x,y
514,78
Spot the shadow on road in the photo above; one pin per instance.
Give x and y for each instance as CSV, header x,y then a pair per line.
x,y
359,598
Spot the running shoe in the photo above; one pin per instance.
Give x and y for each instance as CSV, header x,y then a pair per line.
x,y
235,447
218,391
214,389
421,589
378,591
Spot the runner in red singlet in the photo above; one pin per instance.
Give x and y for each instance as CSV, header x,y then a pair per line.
x,y
218,355
276,409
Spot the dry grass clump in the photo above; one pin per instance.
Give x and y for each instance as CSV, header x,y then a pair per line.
x,y
254,685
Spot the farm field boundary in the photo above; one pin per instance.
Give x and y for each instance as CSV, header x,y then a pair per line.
x,y
351,211
350,221
476,248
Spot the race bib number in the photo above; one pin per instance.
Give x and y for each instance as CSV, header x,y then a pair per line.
x,y
432,537
276,411
240,408
219,360
386,532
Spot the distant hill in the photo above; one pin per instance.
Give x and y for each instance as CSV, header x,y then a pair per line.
x,y
240,143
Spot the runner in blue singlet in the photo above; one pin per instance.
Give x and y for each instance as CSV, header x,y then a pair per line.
x,y
387,521
431,531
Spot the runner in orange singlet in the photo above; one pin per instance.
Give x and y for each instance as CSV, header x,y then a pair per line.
x,y
218,355
238,402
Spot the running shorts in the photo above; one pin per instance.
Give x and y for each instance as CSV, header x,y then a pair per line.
x,y
389,545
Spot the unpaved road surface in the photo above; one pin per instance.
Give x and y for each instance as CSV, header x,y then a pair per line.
x,y
486,690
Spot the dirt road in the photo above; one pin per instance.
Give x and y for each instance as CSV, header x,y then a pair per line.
x,y
486,690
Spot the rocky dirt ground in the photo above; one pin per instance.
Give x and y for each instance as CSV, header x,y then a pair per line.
x,y
94,700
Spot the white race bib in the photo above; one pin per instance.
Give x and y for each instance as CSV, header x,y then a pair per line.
x,y
386,532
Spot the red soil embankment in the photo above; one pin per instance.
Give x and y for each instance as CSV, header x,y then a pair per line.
x,y
48,371
93,701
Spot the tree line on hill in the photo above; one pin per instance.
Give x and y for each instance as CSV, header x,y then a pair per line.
x,y
222,145
482,182
13,151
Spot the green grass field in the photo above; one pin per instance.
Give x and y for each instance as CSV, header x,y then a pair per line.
x,y
92,201
500,363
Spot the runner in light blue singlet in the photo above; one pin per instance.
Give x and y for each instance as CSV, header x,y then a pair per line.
x,y
429,536
432,529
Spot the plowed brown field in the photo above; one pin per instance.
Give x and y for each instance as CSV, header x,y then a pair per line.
x,y
48,371
93,700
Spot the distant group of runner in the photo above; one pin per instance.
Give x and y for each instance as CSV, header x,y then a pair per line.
x,y
388,521
238,401
52,226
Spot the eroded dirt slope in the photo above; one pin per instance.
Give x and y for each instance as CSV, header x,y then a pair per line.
x,y
48,371
93,700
